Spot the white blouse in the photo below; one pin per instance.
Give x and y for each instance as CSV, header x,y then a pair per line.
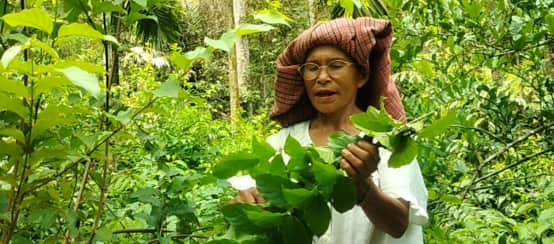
x,y
353,226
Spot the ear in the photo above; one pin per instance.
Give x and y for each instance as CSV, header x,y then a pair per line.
x,y
362,79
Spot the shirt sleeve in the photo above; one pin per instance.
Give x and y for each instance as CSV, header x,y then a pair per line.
x,y
405,182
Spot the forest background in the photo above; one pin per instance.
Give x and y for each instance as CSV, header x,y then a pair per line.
x,y
114,113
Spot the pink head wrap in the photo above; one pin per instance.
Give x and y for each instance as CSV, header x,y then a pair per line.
x,y
365,39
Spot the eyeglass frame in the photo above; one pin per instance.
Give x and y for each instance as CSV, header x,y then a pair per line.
x,y
320,67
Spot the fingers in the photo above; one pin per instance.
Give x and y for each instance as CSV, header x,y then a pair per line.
x,y
360,159
250,195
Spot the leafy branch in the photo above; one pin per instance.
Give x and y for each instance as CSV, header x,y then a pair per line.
x,y
491,158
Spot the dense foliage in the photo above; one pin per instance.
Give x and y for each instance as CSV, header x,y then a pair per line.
x,y
113,115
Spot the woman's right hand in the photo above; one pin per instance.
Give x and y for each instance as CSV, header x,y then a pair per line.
x,y
250,195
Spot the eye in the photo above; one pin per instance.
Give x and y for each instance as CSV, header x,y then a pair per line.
x,y
337,64
310,67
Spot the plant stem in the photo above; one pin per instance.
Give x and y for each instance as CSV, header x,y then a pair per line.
x,y
79,197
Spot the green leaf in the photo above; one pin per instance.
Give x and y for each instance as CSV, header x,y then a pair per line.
x,y
225,42
294,232
124,117
297,154
15,87
181,61
15,133
298,198
348,6
168,89
271,188
262,149
49,83
339,140
106,7
103,234
147,195
45,47
373,121
277,166
10,54
344,193
546,216
272,17
318,216
230,165
3,202
86,66
142,3
83,30
264,219
33,17
404,153
325,154
10,149
325,174
235,214
14,105
51,116
549,20
247,29
438,126
82,79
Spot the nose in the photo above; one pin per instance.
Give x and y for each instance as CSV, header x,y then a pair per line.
x,y
323,76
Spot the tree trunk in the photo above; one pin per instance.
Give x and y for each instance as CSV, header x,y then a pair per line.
x,y
312,12
241,45
233,86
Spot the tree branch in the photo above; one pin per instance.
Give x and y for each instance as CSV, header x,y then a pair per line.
x,y
523,160
500,152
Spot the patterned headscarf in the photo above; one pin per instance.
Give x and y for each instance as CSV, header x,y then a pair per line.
x,y
365,39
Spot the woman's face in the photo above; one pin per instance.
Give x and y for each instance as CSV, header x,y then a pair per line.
x,y
336,84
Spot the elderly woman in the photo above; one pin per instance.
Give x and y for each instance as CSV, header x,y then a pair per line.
x,y
328,73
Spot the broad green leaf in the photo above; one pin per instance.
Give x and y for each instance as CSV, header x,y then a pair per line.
x,y
168,89
294,232
33,17
103,234
263,218
47,155
10,54
10,149
14,105
106,7
297,153
148,195
404,153
3,201
83,30
15,87
547,216
326,154
247,29
325,174
230,165
438,126
142,3
181,61
199,53
15,133
344,193
262,149
82,79
298,198
124,117
318,216
348,6
86,66
225,42
49,83
373,121
272,17
277,166
235,214
271,188
51,116
135,16
339,140
45,47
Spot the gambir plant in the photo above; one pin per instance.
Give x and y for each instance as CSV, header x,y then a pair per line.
x,y
299,194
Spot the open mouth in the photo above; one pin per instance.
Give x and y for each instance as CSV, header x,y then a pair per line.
x,y
325,93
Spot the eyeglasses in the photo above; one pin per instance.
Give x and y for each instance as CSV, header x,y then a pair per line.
x,y
336,68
